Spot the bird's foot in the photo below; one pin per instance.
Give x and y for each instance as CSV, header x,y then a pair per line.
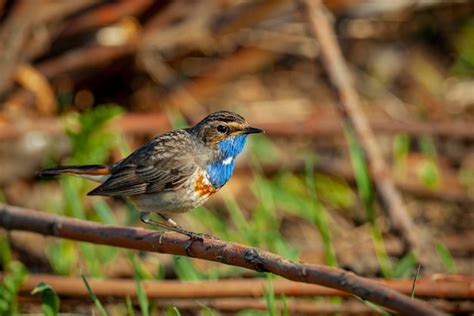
x,y
192,238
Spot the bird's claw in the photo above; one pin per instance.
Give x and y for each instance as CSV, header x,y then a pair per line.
x,y
192,238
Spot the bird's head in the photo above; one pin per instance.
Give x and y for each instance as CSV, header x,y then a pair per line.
x,y
224,131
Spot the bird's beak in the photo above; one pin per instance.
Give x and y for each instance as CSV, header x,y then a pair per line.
x,y
252,130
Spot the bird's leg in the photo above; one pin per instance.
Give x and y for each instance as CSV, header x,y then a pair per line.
x,y
145,218
178,228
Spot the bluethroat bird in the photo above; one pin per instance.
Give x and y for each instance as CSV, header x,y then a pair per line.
x,y
174,172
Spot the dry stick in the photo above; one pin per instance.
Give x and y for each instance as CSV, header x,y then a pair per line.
x,y
104,15
13,34
157,122
294,306
231,305
212,249
73,286
352,113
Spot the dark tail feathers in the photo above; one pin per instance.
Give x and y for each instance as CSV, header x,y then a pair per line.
x,y
79,170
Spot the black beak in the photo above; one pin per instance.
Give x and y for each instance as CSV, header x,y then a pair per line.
x,y
252,130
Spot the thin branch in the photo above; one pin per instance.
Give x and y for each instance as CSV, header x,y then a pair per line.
x,y
13,34
212,249
156,122
73,286
352,114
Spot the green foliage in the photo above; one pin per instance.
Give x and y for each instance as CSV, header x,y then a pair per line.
x,y
401,149
428,171
263,148
5,252
284,311
240,222
367,194
142,298
176,119
90,141
464,42
172,311
185,269
207,311
130,310
50,303
73,195
429,174
62,255
13,277
333,192
405,266
320,216
94,298
141,295
269,296
266,221
104,212
446,257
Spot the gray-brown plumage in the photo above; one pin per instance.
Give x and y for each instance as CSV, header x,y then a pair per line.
x,y
173,172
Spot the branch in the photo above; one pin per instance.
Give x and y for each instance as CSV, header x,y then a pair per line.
x,y
459,288
212,249
13,34
352,113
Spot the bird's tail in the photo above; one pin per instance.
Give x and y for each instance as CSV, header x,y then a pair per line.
x,y
98,173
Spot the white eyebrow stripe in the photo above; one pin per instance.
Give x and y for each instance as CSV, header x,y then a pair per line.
x,y
227,161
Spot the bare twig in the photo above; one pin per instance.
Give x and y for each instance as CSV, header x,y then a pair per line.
x,y
83,57
151,123
352,113
72,286
104,15
212,249
13,35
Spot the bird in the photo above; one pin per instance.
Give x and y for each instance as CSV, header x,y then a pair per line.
x,y
173,172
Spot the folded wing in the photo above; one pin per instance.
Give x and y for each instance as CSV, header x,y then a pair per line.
x,y
164,163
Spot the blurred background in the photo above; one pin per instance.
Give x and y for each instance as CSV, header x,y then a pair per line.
x,y
88,81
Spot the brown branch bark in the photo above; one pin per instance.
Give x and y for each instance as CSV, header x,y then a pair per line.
x,y
212,249
353,115
459,288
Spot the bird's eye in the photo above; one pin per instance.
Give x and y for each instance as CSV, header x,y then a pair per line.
x,y
222,129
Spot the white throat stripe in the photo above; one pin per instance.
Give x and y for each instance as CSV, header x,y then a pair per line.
x,y
227,161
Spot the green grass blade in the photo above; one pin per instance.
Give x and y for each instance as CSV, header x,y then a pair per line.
x,y
374,307
185,269
367,194
141,295
446,258
94,298
130,310
50,303
270,297
173,311
405,266
320,216
104,212
413,288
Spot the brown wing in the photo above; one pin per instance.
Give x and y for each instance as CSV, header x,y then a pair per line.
x,y
164,163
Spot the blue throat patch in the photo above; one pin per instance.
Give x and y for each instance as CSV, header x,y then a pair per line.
x,y
221,171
